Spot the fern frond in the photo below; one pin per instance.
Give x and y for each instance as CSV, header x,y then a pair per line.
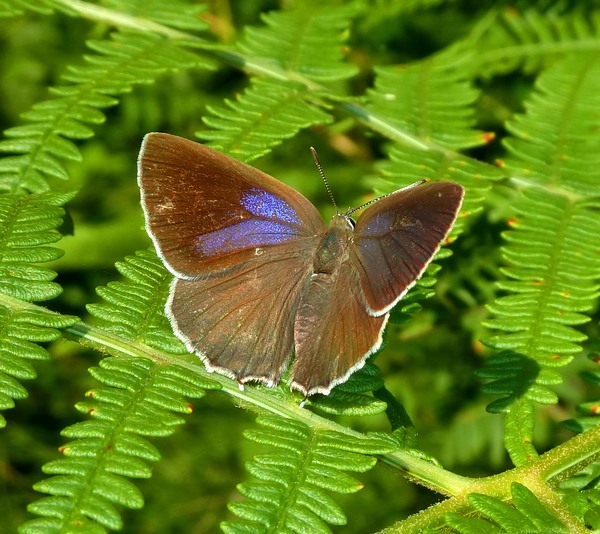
x,y
532,39
28,224
291,490
353,397
551,248
133,308
589,411
427,103
581,494
13,8
19,333
289,40
260,119
42,145
379,13
526,514
179,14
138,398
272,110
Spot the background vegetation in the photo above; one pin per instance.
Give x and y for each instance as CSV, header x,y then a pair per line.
x,y
484,398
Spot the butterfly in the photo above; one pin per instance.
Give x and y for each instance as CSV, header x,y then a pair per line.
x,y
260,279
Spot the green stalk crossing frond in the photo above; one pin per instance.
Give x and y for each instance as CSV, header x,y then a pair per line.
x,y
133,308
20,331
28,225
138,398
266,114
427,103
289,40
277,108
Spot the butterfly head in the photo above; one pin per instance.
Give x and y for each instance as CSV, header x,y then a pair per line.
x,y
342,220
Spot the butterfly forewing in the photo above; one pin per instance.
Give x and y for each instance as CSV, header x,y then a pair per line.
x,y
397,237
206,212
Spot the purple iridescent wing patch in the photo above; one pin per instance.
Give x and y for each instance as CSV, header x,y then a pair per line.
x,y
250,233
274,222
263,204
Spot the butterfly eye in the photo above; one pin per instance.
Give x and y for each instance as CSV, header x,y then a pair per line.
x,y
351,222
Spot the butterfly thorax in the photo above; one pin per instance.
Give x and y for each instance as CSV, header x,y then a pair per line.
x,y
333,248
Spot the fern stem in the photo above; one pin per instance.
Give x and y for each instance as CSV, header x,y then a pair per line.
x,y
572,456
122,20
385,127
427,473
272,401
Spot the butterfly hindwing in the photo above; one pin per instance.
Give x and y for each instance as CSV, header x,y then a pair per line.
x,y
334,333
242,324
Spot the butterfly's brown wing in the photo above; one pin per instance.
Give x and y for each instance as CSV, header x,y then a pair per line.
x,y
334,332
341,315
240,244
207,212
241,324
396,238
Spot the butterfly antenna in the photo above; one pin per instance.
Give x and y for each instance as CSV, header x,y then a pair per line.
x,y
320,167
372,201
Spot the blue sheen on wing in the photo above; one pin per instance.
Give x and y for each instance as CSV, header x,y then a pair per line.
x,y
381,223
263,204
245,234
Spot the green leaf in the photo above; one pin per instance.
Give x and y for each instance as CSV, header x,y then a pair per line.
x,y
290,39
533,38
110,447
261,118
302,462
133,309
126,60
427,103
